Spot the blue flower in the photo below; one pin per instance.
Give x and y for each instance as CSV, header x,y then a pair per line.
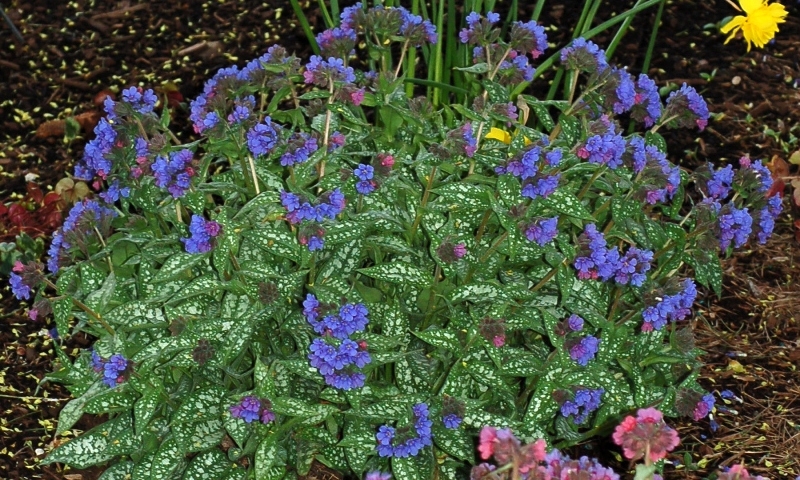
x,y
201,232
320,72
647,106
585,350
263,137
113,370
542,231
19,288
734,225
452,421
687,107
575,323
142,101
299,148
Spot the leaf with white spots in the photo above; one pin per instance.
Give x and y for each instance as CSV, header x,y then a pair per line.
x,y
399,272
456,442
178,265
118,471
168,461
441,338
414,468
567,203
198,436
210,465
270,460
135,314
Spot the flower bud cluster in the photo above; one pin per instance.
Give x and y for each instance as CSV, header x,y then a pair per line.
x,y
82,220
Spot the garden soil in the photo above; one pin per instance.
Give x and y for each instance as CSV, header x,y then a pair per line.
x,y
69,55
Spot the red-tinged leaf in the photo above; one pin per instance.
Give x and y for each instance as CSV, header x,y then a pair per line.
x,y
777,188
3,209
18,215
51,198
778,167
796,193
35,192
174,99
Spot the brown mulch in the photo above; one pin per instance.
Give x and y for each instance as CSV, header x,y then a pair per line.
x,y
74,51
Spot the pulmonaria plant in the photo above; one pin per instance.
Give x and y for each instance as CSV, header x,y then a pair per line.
x,y
336,270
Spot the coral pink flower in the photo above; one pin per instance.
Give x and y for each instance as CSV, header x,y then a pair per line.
x,y
647,434
488,437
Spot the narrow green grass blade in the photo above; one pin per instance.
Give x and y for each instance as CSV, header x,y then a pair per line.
x,y
301,17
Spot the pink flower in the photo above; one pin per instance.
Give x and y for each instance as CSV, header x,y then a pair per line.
x,y
459,250
645,434
533,453
486,442
18,266
499,340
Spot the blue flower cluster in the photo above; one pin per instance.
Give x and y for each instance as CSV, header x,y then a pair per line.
x,y
203,109
686,108
478,28
174,173
299,210
252,408
201,232
704,407
451,421
142,101
337,42
658,177
583,350
415,30
528,37
583,404
530,169
242,109
338,361
299,148
606,149
585,56
734,225
619,91
113,369
96,155
670,306
81,221
542,231
452,412
647,106
410,447
329,206
321,72
365,174
263,137
597,261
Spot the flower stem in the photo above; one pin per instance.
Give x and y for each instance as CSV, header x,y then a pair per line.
x,y
425,196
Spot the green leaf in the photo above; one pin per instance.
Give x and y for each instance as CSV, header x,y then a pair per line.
x,y
399,272
346,113
89,449
119,470
456,442
177,265
644,472
570,129
441,338
109,401
310,412
145,408
198,436
210,465
72,411
204,403
277,242
135,314
497,93
167,461
414,468
622,210
568,204
464,196
543,114
99,299
482,67
480,292
270,460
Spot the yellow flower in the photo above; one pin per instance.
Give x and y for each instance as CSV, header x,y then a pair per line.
x,y
502,136
759,23
499,135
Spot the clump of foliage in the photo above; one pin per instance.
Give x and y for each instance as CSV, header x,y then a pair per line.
x,y
339,272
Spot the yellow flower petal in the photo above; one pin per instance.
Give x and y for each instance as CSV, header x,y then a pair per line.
x,y
499,135
749,6
737,21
